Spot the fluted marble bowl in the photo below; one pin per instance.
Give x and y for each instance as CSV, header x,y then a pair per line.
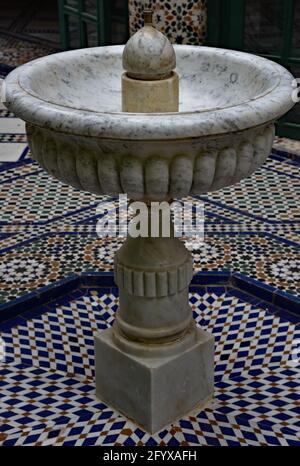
x,y
222,133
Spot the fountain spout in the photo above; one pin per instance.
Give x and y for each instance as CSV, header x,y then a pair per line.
x,y
149,84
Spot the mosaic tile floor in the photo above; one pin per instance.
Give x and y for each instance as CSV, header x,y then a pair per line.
x,y
47,389
15,52
47,233
289,145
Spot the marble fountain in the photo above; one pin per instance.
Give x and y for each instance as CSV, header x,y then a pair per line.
x,y
192,120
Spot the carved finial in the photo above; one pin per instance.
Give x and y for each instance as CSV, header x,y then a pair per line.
x,y
149,55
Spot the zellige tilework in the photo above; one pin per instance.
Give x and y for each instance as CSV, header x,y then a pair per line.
x,y
47,386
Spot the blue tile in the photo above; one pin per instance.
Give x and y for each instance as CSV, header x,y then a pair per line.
x,y
211,278
242,295
9,324
217,290
254,287
35,312
35,299
289,316
58,288
287,301
15,307
97,279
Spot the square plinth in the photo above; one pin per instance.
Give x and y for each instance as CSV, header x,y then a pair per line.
x,y
153,392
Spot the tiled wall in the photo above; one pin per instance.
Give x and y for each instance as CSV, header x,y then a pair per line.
x,y
183,22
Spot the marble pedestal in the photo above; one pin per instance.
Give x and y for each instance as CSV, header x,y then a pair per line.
x,y
154,365
154,391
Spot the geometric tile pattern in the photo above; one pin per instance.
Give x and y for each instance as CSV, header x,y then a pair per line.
x,y
265,195
49,258
19,138
181,21
37,203
62,338
30,394
269,397
207,428
47,392
13,142
247,337
257,255
15,52
288,145
47,378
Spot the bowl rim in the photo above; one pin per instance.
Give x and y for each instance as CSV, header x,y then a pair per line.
x,y
262,109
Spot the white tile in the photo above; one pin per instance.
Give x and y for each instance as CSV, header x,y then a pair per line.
x,y
12,125
11,151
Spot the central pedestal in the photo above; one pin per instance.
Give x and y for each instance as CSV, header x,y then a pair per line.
x,y
154,365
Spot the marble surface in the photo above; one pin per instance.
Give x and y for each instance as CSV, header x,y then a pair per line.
x,y
151,170
79,92
140,387
149,55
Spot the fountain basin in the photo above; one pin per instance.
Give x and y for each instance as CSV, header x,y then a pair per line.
x,y
223,131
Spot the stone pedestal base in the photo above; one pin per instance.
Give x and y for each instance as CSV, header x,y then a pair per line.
x,y
160,384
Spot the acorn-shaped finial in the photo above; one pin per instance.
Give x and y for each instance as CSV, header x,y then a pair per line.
x,y
149,55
